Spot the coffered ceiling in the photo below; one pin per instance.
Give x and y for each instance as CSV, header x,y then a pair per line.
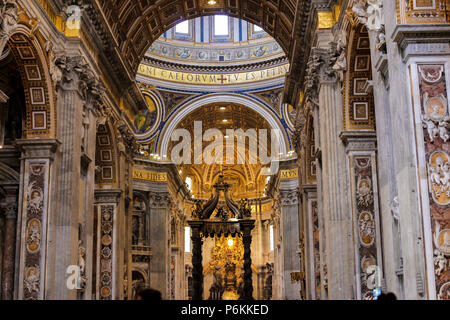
x,y
135,24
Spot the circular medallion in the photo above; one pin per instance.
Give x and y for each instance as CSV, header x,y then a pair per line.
x,y
443,241
366,229
105,292
106,240
444,292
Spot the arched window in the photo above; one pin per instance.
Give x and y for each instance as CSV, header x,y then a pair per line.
x,y
257,28
189,183
182,27
271,243
221,27
187,239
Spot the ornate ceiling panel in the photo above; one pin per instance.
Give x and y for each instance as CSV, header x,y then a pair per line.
x,y
135,24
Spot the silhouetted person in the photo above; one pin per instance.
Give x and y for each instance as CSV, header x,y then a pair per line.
x,y
148,294
387,297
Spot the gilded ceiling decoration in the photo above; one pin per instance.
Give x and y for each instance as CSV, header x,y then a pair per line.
x,y
245,180
135,25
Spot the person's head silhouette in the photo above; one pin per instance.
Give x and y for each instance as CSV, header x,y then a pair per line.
x,y
387,297
148,294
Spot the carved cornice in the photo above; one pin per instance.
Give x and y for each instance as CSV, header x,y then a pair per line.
x,y
359,140
38,148
406,35
103,196
234,68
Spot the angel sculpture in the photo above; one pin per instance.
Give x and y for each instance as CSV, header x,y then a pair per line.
x,y
198,209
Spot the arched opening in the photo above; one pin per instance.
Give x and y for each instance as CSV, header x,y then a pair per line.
x,y
234,92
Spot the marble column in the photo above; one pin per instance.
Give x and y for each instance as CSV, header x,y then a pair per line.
x,y
290,237
9,208
334,178
159,223
246,229
77,97
197,271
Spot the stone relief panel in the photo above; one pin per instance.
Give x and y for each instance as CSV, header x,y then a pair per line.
x,y
106,251
34,222
435,120
316,249
365,224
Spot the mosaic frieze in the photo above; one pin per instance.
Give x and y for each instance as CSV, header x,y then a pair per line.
x,y
435,120
208,54
423,11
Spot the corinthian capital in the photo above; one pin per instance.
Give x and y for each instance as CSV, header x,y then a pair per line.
x,y
127,138
160,199
289,197
319,69
75,74
8,20
10,210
